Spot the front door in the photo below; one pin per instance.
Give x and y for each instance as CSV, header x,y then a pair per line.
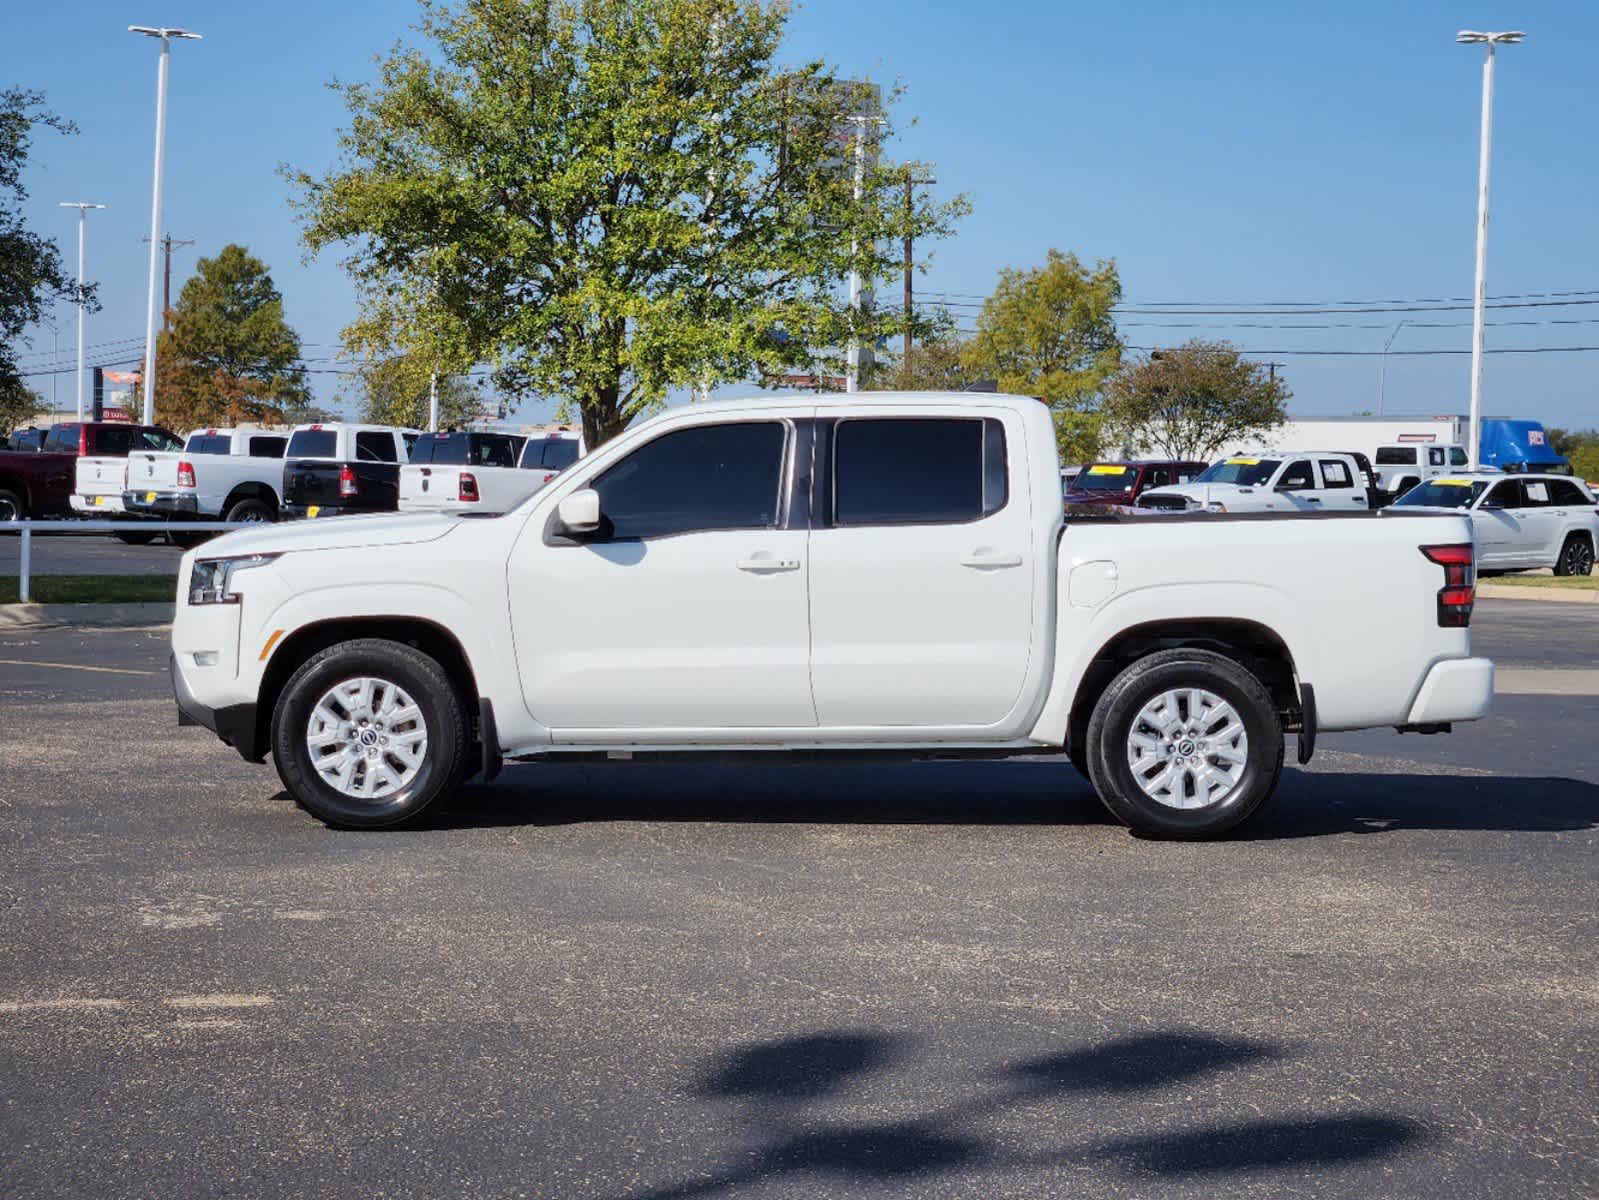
x,y
922,569
686,614
1497,523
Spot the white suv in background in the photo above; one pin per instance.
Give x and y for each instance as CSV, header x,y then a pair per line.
x,y
1401,467
1307,481
1519,521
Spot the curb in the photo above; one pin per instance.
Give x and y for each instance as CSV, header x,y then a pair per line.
x,y
1491,591
91,616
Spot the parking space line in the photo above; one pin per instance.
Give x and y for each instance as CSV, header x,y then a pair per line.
x,y
29,662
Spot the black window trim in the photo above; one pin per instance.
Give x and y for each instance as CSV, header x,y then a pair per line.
x,y
1349,476
823,478
785,487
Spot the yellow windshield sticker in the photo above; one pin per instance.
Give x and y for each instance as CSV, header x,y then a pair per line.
x,y
1243,462
1453,482
1107,470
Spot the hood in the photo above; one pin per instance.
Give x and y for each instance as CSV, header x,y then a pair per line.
x,y
332,533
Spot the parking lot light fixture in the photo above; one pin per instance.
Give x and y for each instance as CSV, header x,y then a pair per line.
x,y
83,213
1472,37
165,36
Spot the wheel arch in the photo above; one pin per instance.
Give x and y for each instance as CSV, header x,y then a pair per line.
x,y
1254,646
19,485
292,651
252,490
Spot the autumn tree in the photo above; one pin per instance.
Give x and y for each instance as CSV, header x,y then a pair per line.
x,y
32,276
608,199
1051,332
1191,402
230,356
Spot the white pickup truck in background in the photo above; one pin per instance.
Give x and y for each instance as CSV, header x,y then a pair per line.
x,y
888,572
227,474
1307,482
1400,467
482,472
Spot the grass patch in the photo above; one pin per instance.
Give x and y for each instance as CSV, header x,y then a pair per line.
x,y
1565,583
93,589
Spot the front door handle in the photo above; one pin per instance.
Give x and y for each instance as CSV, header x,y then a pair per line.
x,y
768,566
989,560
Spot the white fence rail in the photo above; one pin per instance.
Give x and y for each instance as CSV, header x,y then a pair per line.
x,y
156,528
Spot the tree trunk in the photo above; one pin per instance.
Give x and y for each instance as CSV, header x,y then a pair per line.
x,y
602,416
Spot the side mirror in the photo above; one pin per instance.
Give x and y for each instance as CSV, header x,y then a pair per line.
x,y
579,512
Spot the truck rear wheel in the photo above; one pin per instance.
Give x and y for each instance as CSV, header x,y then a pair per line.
x,y
1184,744
366,734
12,506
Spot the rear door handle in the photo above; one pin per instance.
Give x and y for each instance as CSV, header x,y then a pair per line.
x,y
1312,499
768,566
988,560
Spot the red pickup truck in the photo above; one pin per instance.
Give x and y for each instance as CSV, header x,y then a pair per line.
x,y
35,483
1124,482
42,483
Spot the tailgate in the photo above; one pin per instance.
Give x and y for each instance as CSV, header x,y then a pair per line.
x,y
153,470
100,476
429,487
311,481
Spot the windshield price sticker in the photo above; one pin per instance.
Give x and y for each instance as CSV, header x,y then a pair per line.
x,y
1102,470
1453,482
1243,462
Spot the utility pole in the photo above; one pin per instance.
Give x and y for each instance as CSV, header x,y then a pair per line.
x,y
911,182
166,276
83,225
1489,40
164,36
1271,368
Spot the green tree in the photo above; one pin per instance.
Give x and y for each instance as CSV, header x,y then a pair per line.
x,y
394,391
31,273
1051,332
230,356
607,199
1191,402
18,405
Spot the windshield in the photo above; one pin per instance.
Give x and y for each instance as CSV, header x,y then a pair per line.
x,y
1443,493
1105,477
1250,472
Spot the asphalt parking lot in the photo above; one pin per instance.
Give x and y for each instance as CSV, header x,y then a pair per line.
x,y
920,980
88,554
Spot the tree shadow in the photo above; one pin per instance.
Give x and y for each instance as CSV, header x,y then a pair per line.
x,y
1033,791
778,1088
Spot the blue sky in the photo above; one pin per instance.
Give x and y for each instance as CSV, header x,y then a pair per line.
x,y
1242,152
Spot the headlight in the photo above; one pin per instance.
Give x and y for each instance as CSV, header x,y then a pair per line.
x,y
211,581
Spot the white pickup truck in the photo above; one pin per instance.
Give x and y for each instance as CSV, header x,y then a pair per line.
x,y
480,472
1401,466
890,573
231,474
1304,481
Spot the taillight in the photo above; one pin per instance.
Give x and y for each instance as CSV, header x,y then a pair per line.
x,y
1455,598
468,488
185,474
83,441
347,483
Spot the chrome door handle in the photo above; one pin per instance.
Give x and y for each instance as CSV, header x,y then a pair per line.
x,y
1312,500
768,566
991,561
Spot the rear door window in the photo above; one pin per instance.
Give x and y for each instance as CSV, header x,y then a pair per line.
x,y
62,438
267,446
1457,456
1534,493
375,447
551,453
1435,456
494,450
917,470
209,443
1335,474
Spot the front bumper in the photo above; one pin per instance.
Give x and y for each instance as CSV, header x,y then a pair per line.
x,y
96,505
161,504
1457,689
236,725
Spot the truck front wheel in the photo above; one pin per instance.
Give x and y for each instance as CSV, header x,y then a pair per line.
x,y
366,734
1184,744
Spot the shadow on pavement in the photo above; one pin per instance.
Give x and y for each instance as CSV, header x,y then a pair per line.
x,y
1039,792
768,1089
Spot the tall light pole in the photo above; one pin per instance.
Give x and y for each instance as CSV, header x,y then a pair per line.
x,y
1472,37
165,35
83,224
852,377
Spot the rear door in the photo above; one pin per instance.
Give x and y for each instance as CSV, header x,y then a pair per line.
x,y
1341,488
922,569
1542,523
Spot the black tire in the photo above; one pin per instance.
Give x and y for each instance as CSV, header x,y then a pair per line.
x,y
251,509
443,713
12,506
136,539
1576,556
1113,721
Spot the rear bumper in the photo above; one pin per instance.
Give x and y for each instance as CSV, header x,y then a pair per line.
x,y
235,725
91,505
1457,689
161,504
297,512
